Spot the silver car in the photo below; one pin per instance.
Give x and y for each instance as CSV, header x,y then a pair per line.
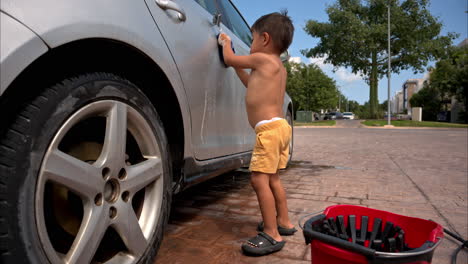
x,y
107,109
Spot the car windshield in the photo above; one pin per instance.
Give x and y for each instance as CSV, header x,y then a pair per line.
x,y
347,113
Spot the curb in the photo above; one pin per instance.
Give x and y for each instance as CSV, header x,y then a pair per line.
x,y
315,126
422,128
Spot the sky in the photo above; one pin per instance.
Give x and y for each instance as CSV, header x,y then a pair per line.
x,y
452,14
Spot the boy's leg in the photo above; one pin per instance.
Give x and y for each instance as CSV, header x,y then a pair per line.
x,y
280,201
266,200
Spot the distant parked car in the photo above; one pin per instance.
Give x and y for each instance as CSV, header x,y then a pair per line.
x,y
443,116
333,116
348,115
393,117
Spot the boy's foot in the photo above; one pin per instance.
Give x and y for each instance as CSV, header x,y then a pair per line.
x,y
262,245
282,230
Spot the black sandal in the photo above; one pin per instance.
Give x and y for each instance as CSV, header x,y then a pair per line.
x,y
282,230
261,245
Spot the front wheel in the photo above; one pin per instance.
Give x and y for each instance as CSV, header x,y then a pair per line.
x,y
88,176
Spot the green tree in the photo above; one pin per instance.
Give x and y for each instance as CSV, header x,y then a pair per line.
x,y
362,111
353,106
294,84
310,88
429,98
342,102
356,37
450,76
383,108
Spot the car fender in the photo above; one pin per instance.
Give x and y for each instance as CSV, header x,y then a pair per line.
x,y
19,46
125,21
286,103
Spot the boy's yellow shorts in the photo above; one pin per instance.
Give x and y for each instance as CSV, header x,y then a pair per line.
x,y
271,151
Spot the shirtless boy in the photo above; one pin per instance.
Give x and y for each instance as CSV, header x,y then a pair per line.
x,y
266,85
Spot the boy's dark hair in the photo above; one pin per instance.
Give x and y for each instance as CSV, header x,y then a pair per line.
x,y
279,26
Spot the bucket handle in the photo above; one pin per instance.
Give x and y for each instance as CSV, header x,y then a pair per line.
x,y
408,254
302,218
368,252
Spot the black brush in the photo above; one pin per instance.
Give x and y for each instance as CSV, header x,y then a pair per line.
x,y
363,234
388,229
331,222
400,241
352,227
375,230
377,244
390,245
341,227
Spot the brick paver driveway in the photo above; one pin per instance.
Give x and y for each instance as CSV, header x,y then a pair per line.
x,y
415,172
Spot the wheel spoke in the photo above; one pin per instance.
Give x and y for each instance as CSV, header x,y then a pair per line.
x,y
93,228
142,174
130,231
77,175
113,151
121,258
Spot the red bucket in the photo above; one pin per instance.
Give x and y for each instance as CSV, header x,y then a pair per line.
x,y
422,236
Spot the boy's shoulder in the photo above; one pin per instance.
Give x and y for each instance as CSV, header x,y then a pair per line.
x,y
269,59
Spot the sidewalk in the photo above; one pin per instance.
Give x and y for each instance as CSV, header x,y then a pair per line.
x,y
395,171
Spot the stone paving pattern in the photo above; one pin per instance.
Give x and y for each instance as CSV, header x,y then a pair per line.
x,y
421,173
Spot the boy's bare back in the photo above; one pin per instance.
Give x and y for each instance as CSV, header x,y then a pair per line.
x,y
266,83
265,90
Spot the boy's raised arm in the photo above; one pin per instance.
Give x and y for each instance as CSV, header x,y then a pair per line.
x,y
243,76
244,62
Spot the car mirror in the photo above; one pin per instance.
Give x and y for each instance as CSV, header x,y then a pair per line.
x,y
285,56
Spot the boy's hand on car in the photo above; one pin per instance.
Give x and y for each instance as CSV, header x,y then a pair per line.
x,y
223,39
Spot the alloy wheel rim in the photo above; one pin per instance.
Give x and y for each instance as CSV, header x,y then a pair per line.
x,y
109,187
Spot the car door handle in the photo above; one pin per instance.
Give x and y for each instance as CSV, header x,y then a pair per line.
x,y
166,4
217,19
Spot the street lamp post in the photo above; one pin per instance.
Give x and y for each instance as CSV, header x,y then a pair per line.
x,y
389,65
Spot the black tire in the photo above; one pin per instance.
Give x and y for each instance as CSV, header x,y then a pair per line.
x,y
27,139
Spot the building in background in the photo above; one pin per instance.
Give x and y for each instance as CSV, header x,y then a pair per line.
x,y
400,101
397,102
410,87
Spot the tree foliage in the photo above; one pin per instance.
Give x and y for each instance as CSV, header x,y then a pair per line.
x,y
450,75
310,88
363,111
356,37
353,106
430,100
448,79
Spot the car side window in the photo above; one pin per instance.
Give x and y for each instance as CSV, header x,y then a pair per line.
x,y
236,23
208,5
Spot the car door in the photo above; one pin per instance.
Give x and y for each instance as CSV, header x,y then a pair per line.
x,y
215,97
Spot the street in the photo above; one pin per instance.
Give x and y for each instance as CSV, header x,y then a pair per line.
x,y
414,172
348,123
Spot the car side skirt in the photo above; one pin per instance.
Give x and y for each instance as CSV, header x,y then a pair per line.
x,y
194,172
